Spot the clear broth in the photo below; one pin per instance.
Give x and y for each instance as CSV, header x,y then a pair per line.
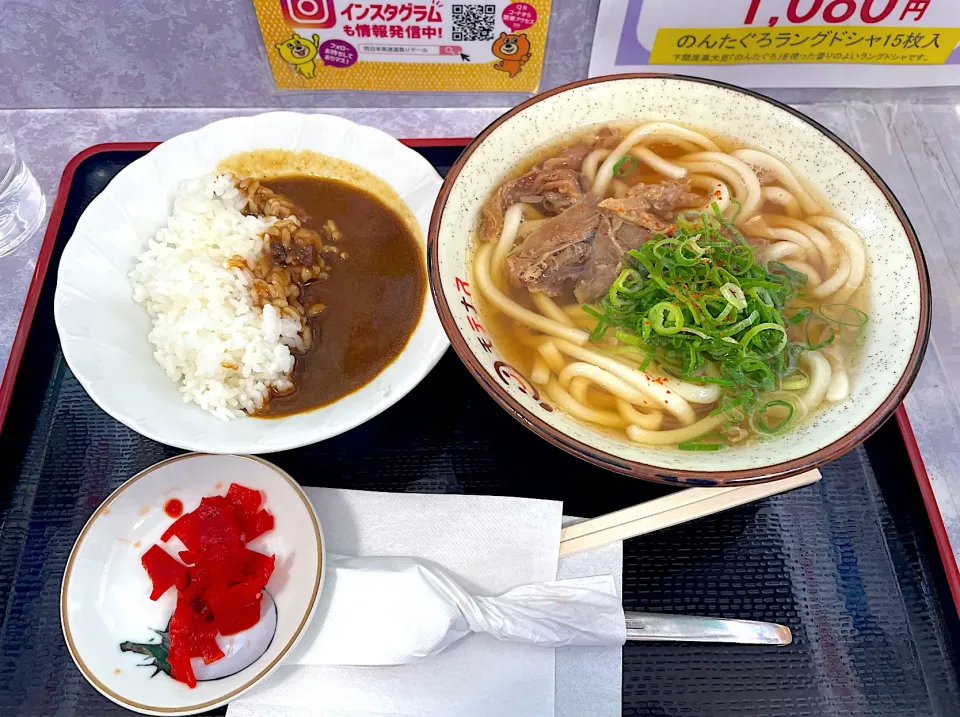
x,y
521,356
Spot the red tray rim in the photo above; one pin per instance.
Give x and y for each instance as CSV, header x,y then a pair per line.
x,y
940,535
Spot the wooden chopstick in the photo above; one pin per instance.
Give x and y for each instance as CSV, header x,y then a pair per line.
x,y
673,509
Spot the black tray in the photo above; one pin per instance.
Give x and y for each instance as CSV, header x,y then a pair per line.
x,y
851,564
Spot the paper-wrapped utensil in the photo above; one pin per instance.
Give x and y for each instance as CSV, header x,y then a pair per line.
x,y
392,611
395,610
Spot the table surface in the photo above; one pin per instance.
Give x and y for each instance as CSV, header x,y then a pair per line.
x,y
914,145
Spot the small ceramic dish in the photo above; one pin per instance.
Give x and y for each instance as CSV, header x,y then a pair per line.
x,y
117,635
898,294
104,332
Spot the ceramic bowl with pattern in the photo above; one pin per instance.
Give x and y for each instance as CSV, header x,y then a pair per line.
x,y
898,290
118,637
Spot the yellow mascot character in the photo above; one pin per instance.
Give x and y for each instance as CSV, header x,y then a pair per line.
x,y
301,53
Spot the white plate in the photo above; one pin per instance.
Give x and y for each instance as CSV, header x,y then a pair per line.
x,y
104,332
105,597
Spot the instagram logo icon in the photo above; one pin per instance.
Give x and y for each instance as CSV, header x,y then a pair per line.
x,y
309,13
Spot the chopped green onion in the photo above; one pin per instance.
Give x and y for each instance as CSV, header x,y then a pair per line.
x,y
706,379
586,308
689,252
741,325
722,276
734,295
646,359
698,303
756,330
763,295
798,277
724,313
688,330
799,316
694,446
849,321
618,168
630,281
760,421
628,338
601,328
740,260
813,324
739,206
757,374
795,381
859,319
712,441
666,318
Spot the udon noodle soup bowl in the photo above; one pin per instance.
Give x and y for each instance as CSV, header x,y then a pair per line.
x,y
896,293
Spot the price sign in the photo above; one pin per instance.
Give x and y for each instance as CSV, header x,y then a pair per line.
x,y
869,12
786,43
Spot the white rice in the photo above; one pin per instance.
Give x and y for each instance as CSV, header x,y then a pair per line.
x,y
209,336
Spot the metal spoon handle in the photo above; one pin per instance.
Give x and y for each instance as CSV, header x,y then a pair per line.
x,y
648,627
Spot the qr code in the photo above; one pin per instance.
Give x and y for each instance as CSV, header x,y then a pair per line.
x,y
473,23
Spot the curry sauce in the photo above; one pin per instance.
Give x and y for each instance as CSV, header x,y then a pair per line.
x,y
373,298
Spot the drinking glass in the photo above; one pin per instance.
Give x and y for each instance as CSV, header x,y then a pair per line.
x,y
22,206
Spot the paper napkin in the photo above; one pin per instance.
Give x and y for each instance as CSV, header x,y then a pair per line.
x,y
490,545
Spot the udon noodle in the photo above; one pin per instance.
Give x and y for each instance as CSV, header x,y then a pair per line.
x,y
672,287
